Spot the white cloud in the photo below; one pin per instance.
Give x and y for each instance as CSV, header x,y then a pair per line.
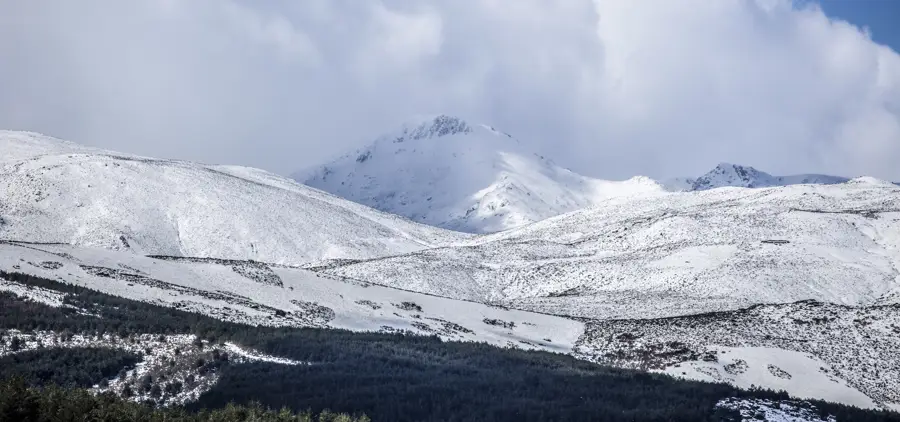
x,y
609,87
405,38
275,31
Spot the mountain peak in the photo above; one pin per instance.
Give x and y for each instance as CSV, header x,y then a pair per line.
x,y
435,126
475,179
743,171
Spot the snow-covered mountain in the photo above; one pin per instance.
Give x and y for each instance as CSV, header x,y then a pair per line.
x,y
675,254
725,174
450,173
56,191
447,172
631,265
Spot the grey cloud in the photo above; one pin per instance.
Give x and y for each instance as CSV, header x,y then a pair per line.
x,y
611,88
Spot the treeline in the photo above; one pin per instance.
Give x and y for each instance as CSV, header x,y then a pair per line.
x,y
116,315
396,377
21,403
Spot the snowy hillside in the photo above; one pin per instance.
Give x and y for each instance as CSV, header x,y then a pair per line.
x,y
447,172
55,191
263,294
675,254
733,175
747,344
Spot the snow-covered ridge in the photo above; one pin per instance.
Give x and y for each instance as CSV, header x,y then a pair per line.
x,y
56,191
18,146
446,172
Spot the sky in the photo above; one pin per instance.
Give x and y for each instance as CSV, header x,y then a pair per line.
x,y
608,88
879,16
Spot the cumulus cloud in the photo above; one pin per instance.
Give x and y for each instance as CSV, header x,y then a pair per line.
x,y
610,88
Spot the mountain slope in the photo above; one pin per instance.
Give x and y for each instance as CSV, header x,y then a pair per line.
x,y
270,295
675,254
446,172
61,192
809,349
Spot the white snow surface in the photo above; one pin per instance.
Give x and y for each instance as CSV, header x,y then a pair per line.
x,y
674,254
55,191
306,298
799,374
446,172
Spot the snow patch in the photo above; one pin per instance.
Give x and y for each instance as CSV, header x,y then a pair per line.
x,y
799,374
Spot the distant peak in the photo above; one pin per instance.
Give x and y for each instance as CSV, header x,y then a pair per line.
x,y
728,174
